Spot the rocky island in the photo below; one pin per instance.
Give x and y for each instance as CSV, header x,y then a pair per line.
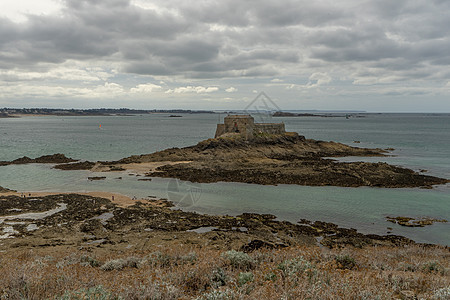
x,y
262,153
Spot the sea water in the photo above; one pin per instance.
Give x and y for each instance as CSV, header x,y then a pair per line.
x,y
421,142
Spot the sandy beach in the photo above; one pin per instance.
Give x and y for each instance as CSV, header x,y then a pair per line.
x,y
140,168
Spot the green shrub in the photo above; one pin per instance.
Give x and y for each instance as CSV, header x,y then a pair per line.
x,y
238,259
271,276
191,257
218,278
245,277
294,266
89,261
345,262
67,261
119,264
158,258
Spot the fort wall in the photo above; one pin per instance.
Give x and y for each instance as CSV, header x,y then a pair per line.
x,y
270,128
245,126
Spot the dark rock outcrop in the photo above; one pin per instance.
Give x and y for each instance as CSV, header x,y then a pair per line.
x,y
249,231
412,222
5,190
83,165
57,158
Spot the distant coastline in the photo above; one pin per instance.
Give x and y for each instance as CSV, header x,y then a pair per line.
x,y
29,112
321,115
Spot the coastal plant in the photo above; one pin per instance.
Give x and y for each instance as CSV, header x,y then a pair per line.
x,y
119,264
42,261
433,267
406,267
158,258
442,293
289,273
218,278
191,257
153,291
93,293
245,277
398,282
345,262
196,280
261,257
271,276
67,261
293,266
219,295
371,295
239,260
88,261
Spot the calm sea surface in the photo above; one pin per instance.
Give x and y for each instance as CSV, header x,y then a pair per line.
x,y
421,141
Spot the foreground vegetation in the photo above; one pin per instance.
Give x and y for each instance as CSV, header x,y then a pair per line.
x,y
410,272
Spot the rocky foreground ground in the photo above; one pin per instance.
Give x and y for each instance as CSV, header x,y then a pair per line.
x,y
74,221
72,246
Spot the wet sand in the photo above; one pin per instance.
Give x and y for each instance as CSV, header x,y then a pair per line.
x,y
140,168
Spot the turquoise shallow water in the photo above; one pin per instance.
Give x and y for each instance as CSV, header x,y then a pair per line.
x,y
420,142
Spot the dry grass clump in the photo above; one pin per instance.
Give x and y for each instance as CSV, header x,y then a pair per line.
x,y
185,273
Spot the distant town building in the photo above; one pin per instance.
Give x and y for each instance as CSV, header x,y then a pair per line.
x,y
245,126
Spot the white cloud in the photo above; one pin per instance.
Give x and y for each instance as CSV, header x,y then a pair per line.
x,y
276,80
69,71
146,88
107,90
18,10
231,90
193,89
318,79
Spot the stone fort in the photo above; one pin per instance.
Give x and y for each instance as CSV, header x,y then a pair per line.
x,y
245,126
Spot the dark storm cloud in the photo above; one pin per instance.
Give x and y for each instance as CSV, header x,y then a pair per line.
x,y
408,39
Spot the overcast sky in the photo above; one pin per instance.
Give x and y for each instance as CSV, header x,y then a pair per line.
x,y
373,55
